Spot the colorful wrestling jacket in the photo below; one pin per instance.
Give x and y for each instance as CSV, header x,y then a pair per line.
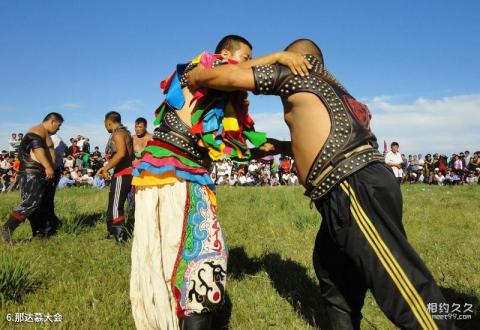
x,y
350,145
221,127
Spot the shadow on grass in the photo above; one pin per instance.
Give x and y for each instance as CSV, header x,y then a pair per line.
x,y
454,297
289,278
292,282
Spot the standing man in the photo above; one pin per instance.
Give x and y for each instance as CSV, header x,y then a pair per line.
x,y
361,243
37,159
394,159
120,149
44,221
179,257
13,144
141,136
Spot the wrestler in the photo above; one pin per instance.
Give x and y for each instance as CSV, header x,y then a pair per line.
x,y
141,136
120,149
179,257
361,243
37,159
44,220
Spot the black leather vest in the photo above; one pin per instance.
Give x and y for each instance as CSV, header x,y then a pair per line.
x,y
30,142
350,145
174,131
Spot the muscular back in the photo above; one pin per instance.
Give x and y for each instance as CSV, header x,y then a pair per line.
x,y
309,124
327,124
122,136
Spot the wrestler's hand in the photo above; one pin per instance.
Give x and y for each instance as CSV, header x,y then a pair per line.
x,y
191,75
295,62
49,173
103,172
267,147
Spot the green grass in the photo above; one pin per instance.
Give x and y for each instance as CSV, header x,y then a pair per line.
x,y
270,233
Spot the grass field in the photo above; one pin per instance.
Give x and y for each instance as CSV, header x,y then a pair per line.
x,y
271,283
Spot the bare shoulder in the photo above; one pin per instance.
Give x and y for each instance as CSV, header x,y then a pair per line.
x,y
39,130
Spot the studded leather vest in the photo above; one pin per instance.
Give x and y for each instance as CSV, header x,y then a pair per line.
x,y
350,145
30,142
174,131
110,148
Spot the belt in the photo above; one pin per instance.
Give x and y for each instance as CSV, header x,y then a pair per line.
x,y
339,169
175,133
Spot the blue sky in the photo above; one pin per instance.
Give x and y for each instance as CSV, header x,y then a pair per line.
x,y
415,63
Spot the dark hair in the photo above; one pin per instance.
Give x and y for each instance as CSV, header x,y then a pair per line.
x,y
141,120
53,115
231,43
307,46
394,144
113,116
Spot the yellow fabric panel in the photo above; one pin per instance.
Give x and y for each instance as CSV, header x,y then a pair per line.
x,y
150,179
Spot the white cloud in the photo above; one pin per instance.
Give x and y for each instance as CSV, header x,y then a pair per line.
x,y
271,123
447,125
70,106
129,105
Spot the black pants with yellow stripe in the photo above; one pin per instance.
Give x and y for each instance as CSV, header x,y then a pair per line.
x,y
362,245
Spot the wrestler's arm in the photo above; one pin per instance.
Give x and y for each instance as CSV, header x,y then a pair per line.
x,y
41,155
229,77
272,147
297,63
51,150
232,77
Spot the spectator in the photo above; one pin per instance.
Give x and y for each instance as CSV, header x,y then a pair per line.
x,y
13,144
86,146
69,162
458,165
451,177
98,182
242,179
438,177
428,168
65,180
467,157
293,179
233,180
73,150
394,159
15,170
474,163
97,153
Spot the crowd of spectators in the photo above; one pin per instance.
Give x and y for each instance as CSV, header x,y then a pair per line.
x,y
263,172
460,168
80,164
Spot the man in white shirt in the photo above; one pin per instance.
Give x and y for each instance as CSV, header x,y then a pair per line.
x,y
242,179
5,163
13,144
394,159
252,168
